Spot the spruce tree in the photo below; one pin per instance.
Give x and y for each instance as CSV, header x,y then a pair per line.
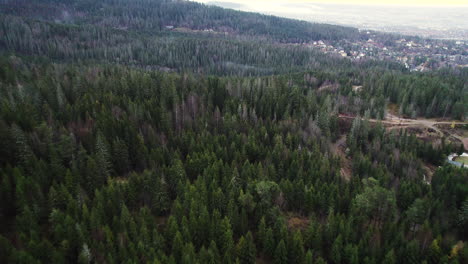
x,y
281,254
246,250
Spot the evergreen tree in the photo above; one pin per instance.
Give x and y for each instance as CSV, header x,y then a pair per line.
x,y
281,254
102,159
120,156
336,250
177,247
296,249
309,257
269,242
389,258
246,250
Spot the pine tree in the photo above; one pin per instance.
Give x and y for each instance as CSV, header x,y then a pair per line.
x,y
214,251
102,158
24,152
320,260
336,250
269,243
463,216
262,231
246,251
178,247
296,249
171,230
85,256
227,243
27,221
309,257
351,254
435,252
281,254
189,255
175,176
389,258
120,156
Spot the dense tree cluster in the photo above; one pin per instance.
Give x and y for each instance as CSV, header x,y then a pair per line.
x,y
166,51
430,95
108,164
441,94
121,142
155,15
94,33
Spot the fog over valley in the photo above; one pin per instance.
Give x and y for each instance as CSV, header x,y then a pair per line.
x,y
444,22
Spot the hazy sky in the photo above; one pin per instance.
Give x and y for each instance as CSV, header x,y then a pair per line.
x,y
365,2
429,18
398,2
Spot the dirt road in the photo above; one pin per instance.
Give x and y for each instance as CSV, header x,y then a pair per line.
x,y
395,122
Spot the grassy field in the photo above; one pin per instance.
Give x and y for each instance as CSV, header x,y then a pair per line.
x,y
462,159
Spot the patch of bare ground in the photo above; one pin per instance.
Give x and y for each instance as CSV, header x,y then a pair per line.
x,y
262,260
329,86
297,222
429,169
465,143
457,131
339,149
427,129
161,220
119,180
392,109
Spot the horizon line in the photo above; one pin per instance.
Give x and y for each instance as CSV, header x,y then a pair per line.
x,y
338,2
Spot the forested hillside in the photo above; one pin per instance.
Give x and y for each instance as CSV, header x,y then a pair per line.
x,y
123,142
155,15
438,94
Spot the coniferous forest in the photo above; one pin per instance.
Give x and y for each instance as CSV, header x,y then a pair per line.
x,y
123,140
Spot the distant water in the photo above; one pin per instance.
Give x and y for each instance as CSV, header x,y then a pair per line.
x,y
435,22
